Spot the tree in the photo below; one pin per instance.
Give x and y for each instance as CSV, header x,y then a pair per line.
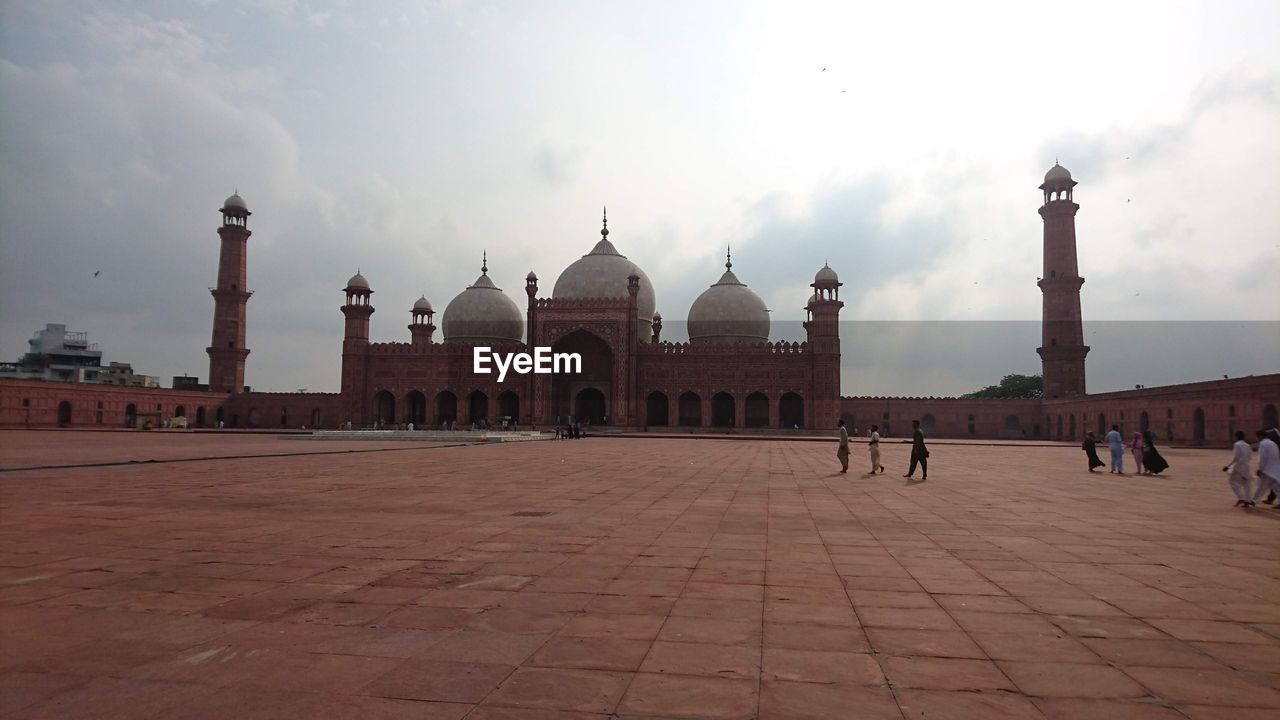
x,y
1012,386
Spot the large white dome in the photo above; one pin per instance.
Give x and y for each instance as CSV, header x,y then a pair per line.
x,y
728,312
482,314
603,273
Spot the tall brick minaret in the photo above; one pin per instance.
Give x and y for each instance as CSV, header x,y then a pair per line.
x,y
1062,349
227,351
823,330
355,349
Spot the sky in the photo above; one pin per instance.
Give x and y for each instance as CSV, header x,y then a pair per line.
x,y
903,143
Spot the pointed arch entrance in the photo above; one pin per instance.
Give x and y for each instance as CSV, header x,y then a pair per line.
x,y
791,410
509,406
657,409
757,410
446,407
690,410
722,410
384,407
477,406
568,390
64,413
415,408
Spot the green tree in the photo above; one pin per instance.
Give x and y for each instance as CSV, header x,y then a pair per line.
x,y
1013,386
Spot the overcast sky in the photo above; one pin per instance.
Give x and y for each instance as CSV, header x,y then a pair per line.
x,y
403,138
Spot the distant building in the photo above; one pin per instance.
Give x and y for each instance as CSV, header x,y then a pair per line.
x,y
186,382
62,356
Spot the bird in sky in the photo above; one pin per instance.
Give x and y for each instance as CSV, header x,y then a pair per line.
x,y
96,273
823,70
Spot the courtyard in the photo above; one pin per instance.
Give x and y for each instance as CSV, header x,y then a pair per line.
x,y
624,578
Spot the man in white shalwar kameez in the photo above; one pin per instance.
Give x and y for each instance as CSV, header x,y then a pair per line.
x,y
1268,466
1239,480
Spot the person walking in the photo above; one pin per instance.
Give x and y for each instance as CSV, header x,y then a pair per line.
x,y
1268,466
1137,447
842,450
1115,443
1241,455
873,448
919,453
1090,447
1152,461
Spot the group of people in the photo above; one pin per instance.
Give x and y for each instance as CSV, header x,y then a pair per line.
x,y
1268,472
570,431
919,453
1146,458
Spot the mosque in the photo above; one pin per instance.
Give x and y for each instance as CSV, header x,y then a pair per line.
x,y
729,375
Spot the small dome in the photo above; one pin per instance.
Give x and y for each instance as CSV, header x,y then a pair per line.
x,y
357,282
1057,172
657,317
826,276
603,273
235,202
482,314
728,312
812,299
531,276
423,305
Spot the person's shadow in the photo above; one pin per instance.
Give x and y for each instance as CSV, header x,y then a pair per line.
x,y
913,481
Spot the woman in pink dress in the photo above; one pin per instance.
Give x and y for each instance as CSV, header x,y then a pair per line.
x,y
1138,448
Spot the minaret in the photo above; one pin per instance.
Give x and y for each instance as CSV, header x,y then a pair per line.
x,y
1062,349
355,348
823,329
227,351
423,325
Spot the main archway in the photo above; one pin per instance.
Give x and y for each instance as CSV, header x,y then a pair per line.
x,y
590,407
597,374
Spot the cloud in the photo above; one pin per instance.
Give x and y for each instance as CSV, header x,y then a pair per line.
x,y
558,166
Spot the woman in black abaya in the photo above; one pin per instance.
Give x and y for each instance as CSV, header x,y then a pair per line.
x,y
1151,458
1090,447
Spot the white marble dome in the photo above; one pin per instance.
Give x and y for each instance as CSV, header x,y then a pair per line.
x,y
423,305
603,273
358,281
482,314
728,312
826,276
1057,172
235,202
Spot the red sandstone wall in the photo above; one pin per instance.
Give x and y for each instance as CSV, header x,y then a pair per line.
x,y
34,403
1205,413
951,417
285,410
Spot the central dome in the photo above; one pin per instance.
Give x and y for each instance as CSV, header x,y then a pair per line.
x,y
603,273
482,314
728,312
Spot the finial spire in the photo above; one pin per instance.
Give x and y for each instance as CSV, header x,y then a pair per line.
x,y
484,262
604,231
728,258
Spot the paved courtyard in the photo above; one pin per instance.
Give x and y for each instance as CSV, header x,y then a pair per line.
x,y
629,578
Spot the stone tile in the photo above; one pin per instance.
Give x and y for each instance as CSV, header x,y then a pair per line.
x,y
926,643
1196,686
1070,680
932,704
562,689
821,666
928,673
1211,631
675,696
634,627
592,653
815,637
419,679
726,661
712,632
784,700
1153,653
1078,709
492,648
906,618
1014,646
